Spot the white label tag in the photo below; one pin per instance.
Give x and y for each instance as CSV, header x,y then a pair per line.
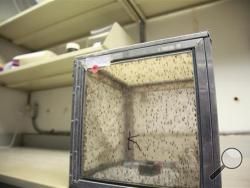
x,y
100,61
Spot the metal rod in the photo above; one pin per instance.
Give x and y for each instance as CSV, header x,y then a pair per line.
x,y
136,14
235,133
142,31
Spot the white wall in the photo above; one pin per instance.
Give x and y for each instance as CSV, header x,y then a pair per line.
x,y
54,110
12,113
12,110
228,22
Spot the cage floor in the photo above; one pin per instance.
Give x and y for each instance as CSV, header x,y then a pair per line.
x,y
30,167
169,176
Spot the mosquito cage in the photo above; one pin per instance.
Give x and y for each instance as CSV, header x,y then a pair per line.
x,y
145,116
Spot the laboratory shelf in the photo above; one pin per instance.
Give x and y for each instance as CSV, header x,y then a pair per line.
x,y
43,75
45,24
57,72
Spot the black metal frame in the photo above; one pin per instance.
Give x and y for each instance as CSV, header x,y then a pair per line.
x,y
200,44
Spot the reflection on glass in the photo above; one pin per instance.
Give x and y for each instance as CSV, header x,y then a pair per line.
x,y
140,123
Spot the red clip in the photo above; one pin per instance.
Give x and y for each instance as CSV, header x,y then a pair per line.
x,y
94,69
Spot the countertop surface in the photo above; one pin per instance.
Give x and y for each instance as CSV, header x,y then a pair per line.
x,y
30,167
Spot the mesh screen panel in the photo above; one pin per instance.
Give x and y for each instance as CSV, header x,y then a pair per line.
x,y
140,124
